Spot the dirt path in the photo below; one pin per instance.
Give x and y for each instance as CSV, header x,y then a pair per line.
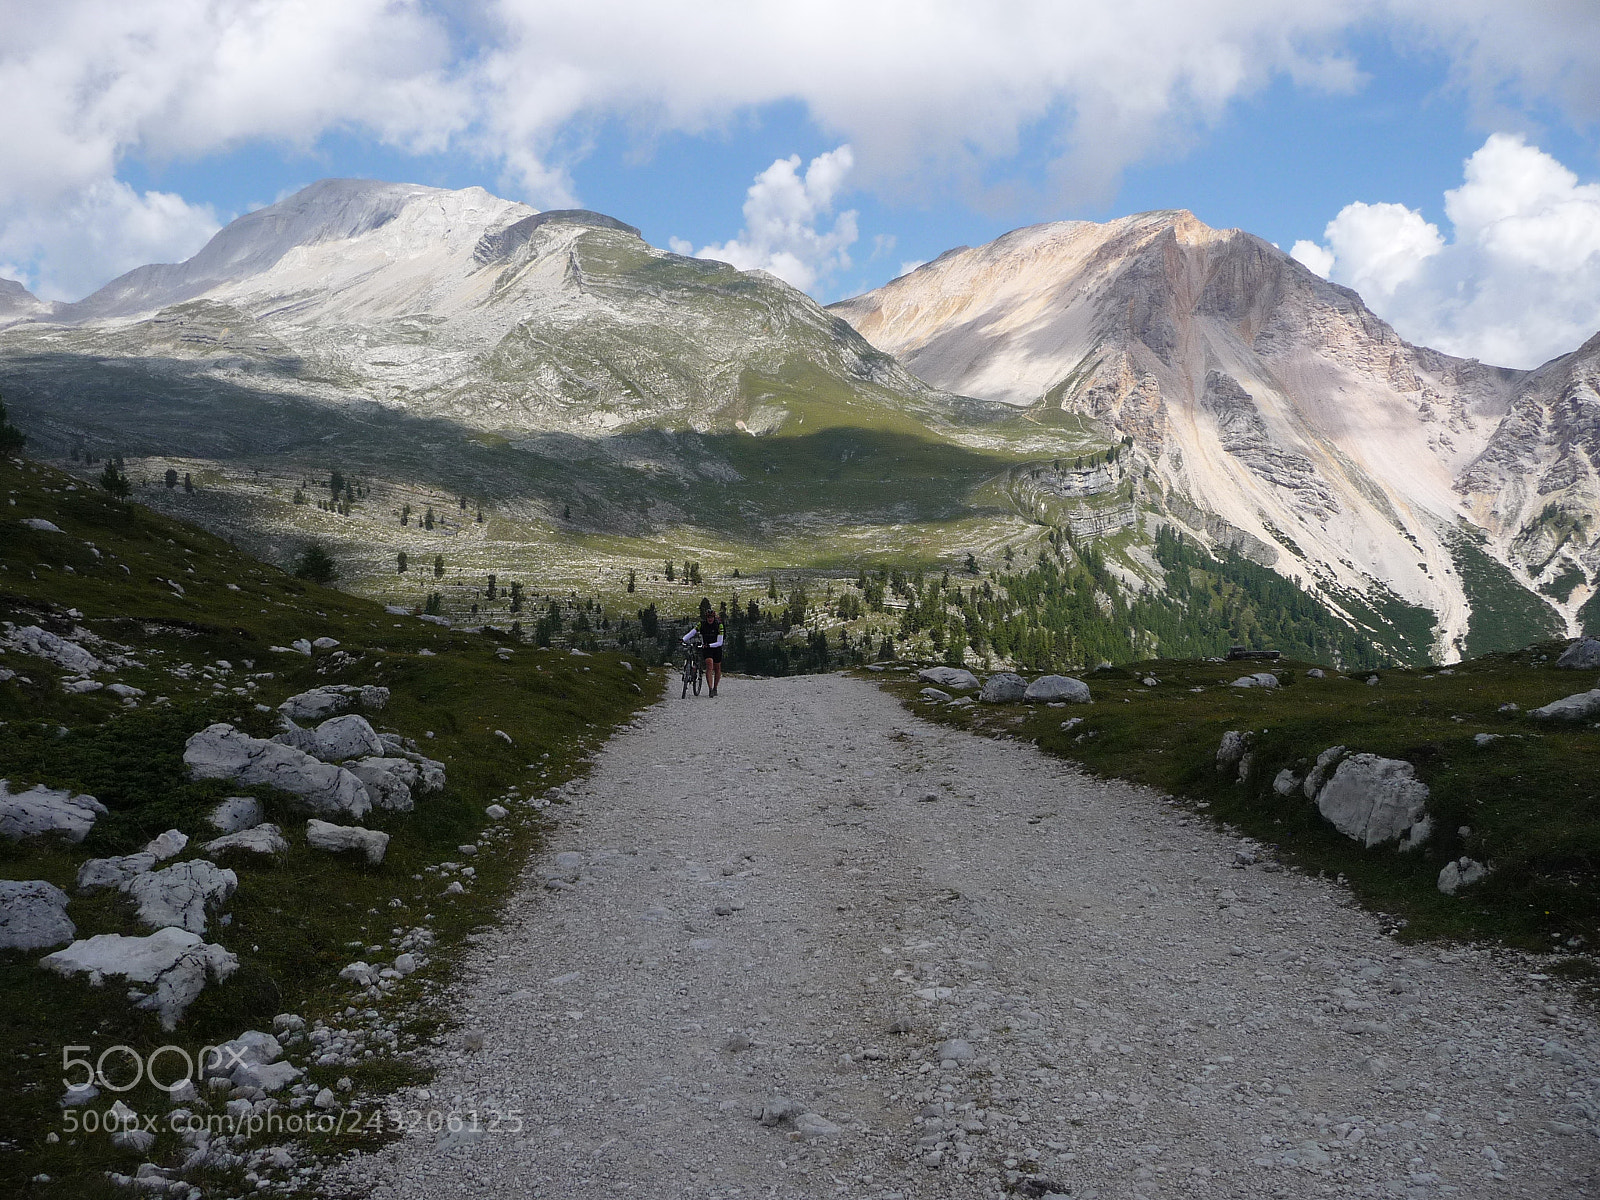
x,y
949,966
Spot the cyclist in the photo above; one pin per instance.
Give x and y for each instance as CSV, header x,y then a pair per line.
x,y
710,631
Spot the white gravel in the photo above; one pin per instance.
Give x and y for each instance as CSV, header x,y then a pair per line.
x,y
946,965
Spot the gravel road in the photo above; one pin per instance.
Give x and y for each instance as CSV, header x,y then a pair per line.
x,y
942,965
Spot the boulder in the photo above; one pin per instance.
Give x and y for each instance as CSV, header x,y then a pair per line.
x,y
33,915
1316,673
1057,687
325,643
1319,773
1003,688
345,737
100,873
430,773
1261,679
933,693
166,845
269,1077
222,752
174,963
293,736
1582,655
386,787
236,813
180,895
1463,872
955,678
40,524
315,705
1285,782
1235,744
1374,800
1573,708
251,1048
41,810
258,839
41,643
325,836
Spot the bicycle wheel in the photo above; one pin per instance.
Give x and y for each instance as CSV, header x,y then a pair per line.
x,y
688,674
697,677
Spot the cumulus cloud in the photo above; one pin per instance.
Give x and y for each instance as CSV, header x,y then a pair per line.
x,y
930,94
104,230
783,212
1517,284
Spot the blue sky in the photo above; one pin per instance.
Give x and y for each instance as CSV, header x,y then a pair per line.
x,y
1271,121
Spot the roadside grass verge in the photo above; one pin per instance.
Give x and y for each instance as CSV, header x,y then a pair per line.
x,y
1527,802
153,596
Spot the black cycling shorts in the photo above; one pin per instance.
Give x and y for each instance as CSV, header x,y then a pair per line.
x,y
714,654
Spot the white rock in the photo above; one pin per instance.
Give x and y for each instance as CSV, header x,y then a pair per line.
x,y
33,915
223,752
1373,799
1464,872
252,1047
100,873
269,1077
258,839
41,643
339,738
125,691
301,646
370,842
387,789
496,812
326,1099
166,845
1325,763
175,962
81,687
1235,744
1261,679
236,813
1572,708
325,643
406,963
180,895
1004,687
315,705
1582,655
954,678
1316,673
808,1126
1057,687
40,524
1285,782
934,694
41,810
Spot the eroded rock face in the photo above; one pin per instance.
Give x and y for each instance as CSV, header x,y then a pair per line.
x,y
326,836
1057,687
1571,708
42,810
174,963
222,752
1003,688
33,915
954,678
1375,800
181,895
1582,655
345,737
1319,773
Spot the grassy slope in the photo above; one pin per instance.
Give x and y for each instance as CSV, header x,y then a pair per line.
x,y
293,920
1531,799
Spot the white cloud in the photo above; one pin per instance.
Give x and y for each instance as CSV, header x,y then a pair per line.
x,y
783,212
1517,284
106,229
930,94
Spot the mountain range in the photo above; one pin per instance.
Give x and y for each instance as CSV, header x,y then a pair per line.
x,y
611,403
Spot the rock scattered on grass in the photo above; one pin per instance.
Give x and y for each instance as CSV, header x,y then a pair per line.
x,y
236,813
175,963
181,895
222,752
1004,687
258,839
33,915
954,678
1582,655
1057,688
1376,800
325,836
42,810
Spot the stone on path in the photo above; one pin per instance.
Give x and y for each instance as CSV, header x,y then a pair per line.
x,y
174,964
222,752
33,915
41,810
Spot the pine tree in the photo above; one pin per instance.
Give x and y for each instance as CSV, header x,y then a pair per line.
x,y
171,479
188,484
633,577
315,564
434,606
405,515
438,566
671,572
427,521
400,561
490,593
114,481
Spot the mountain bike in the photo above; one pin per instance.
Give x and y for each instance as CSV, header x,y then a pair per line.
x,y
691,670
